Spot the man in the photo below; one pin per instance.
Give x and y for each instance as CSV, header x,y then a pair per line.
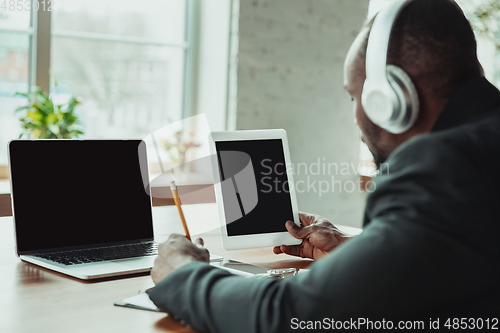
x,y
430,246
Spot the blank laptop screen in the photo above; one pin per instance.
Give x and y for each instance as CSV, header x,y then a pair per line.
x,y
72,193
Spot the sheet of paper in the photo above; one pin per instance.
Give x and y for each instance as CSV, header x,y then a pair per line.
x,y
139,301
235,271
215,258
143,302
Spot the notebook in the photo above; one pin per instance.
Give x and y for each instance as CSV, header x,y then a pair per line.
x,y
142,301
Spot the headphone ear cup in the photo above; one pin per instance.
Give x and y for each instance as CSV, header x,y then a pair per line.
x,y
407,95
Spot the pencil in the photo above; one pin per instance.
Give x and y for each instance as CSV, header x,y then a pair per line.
x,y
177,201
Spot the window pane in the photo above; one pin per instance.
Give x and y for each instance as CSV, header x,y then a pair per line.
x,y
161,20
14,73
128,88
14,20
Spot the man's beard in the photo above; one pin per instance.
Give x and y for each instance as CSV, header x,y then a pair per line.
x,y
372,138
379,159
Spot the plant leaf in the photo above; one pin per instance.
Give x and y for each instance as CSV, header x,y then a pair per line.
x,y
71,104
35,116
54,129
21,94
44,120
21,108
52,119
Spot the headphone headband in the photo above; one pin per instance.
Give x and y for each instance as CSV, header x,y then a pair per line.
x,y
378,42
389,98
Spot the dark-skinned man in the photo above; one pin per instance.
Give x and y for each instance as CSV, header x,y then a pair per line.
x,y
429,248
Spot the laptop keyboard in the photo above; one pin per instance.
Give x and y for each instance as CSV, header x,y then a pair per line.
x,y
103,253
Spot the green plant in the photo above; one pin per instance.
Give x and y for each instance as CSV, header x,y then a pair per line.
x,y
43,120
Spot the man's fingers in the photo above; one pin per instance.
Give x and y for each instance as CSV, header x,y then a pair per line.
x,y
205,255
305,218
293,250
175,236
277,250
199,242
297,232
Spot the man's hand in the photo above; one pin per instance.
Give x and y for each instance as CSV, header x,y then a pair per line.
x,y
319,237
176,252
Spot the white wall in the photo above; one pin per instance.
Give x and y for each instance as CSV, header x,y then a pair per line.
x,y
290,75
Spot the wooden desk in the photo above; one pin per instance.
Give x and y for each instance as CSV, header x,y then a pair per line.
x,y
34,299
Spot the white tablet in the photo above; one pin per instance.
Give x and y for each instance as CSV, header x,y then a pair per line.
x,y
252,188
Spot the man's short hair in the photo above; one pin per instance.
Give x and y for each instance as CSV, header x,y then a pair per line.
x,y
434,43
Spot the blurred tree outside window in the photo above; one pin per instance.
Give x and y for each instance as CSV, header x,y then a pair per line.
x,y
123,59
484,16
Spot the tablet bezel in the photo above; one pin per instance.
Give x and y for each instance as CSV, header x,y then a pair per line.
x,y
255,240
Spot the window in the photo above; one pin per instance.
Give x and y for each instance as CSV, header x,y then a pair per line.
x,y
125,61
15,41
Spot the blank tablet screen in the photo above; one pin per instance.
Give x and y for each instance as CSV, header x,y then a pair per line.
x,y
255,187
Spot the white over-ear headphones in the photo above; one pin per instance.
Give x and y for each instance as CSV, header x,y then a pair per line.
x,y
389,98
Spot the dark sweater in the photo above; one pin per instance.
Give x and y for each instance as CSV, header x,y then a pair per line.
x,y
430,247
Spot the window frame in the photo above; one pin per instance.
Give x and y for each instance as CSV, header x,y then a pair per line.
x,y
40,48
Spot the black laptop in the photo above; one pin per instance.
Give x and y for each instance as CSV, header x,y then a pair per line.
x,y
82,207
